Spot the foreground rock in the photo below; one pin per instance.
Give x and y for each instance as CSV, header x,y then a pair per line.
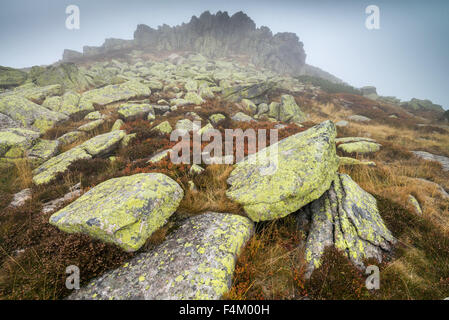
x,y
195,262
274,185
124,211
444,161
346,217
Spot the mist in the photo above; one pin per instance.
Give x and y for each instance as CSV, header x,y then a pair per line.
x,y
406,57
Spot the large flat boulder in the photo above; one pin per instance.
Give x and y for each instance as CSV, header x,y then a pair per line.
x,y
124,211
114,93
346,217
287,175
197,261
29,114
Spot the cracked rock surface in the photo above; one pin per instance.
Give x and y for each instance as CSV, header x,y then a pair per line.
x,y
346,217
196,261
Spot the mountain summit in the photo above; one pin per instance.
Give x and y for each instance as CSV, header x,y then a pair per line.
x,y
216,35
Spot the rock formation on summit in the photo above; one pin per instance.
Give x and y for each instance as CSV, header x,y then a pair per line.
x,y
216,36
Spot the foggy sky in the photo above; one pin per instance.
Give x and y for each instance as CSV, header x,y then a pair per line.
x,y
407,57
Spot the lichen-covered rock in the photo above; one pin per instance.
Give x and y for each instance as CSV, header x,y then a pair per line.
x,y
68,104
197,262
359,118
362,146
133,111
186,125
94,147
10,77
415,204
346,161
71,137
191,85
44,150
217,118
346,217
68,75
252,91
193,98
159,156
205,129
286,176
163,127
103,144
444,161
95,115
127,139
161,109
195,169
117,125
114,93
249,106
48,171
21,198
6,122
91,126
37,94
287,110
124,211
17,139
241,117
29,114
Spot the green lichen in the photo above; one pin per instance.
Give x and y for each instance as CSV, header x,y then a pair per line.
x,y
124,211
291,174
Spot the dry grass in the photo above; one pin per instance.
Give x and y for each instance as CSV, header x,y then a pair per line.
x,y
271,265
210,194
24,173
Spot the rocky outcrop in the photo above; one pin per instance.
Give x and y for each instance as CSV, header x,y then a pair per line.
x,y
214,35
68,75
287,175
124,211
10,77
197,261
422,105
347,218
220,35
